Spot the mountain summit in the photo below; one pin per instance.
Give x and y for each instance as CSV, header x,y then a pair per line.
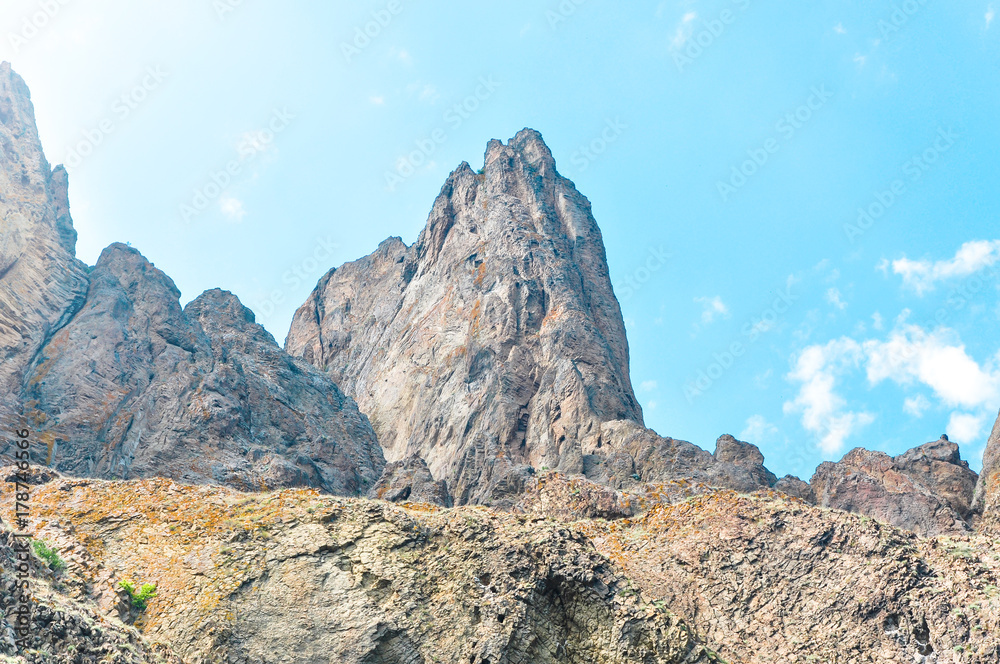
x,y
491,345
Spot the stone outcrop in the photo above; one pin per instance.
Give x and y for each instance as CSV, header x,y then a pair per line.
x,y
491,346
135,386
928,490
41,281
294,576
410,480
769,579
986,502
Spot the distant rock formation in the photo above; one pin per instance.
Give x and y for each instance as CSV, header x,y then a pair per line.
x,y
135,386
410,480
928,490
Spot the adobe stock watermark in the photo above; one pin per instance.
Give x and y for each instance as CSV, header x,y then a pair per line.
x,y
913,171
562,12
752,330
632,283
247,150
586,154
121,109
454,117
364,35
786,128
712,29
309,268
900,16
33,24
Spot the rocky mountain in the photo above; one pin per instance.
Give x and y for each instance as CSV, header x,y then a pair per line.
x,y
492,345
135,386
986,501
928,490
115,379
41,282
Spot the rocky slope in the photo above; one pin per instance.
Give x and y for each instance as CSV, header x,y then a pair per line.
x,y
928,490
987,497
295,576
770,579
41,282
62,629
135,386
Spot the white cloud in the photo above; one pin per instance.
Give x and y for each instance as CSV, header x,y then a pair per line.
x,y
938,360
861,59
377,100
647,386
877,321
822,409
758,429
834,298
712,307
232,208
404,57
990,15
965,428
839,29
683,31
923,275
916,406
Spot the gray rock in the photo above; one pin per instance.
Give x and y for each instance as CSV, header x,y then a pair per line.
x,y
410,480
491,346
41,281
927,490
135,386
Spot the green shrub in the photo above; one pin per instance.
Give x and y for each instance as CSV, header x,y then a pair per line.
x,y
49,554
141,598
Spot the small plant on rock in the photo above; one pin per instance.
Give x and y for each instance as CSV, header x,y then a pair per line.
x,y
141,598
49,554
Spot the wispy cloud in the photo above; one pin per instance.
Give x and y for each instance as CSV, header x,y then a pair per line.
x,y
232,208
839,29
712,308
683,30
990,15
823,412
834,298
923,275
758,430
916,406
966,428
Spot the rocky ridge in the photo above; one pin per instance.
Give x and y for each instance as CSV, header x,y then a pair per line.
x,y
135,386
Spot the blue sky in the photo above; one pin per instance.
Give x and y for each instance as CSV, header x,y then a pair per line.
x,y
728,147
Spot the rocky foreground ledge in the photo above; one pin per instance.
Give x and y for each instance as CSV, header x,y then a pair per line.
x,y
296,576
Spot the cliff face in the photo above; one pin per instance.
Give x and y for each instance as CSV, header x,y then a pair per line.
x,y
928,490
41,282
135,386
986,502
495,342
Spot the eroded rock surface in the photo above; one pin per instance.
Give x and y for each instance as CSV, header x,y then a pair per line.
x,y
135,386
295,576
410,480
771,579
986,502
492,345
41,281
928,489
